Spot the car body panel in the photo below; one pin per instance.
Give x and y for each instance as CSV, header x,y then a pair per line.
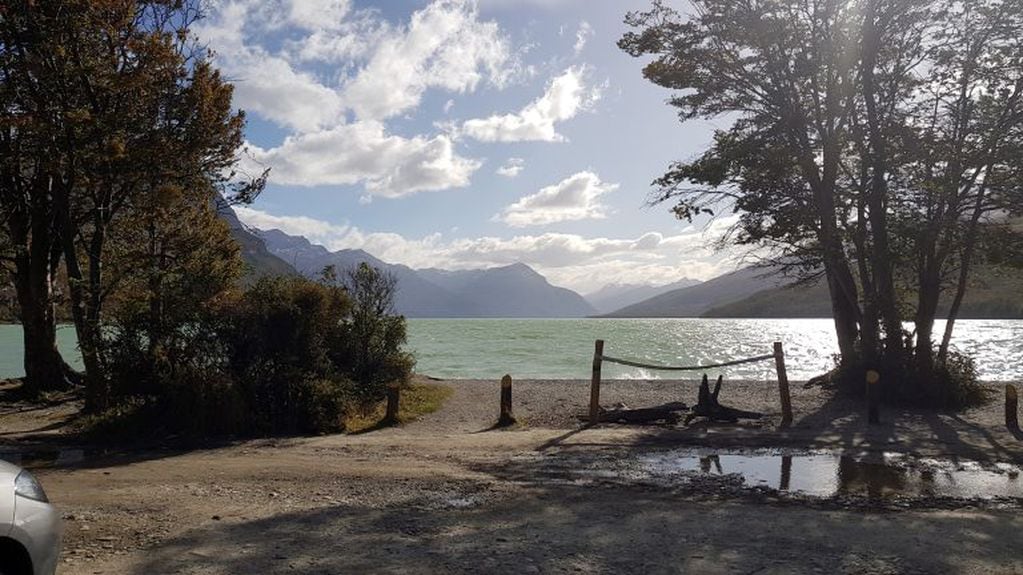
x,y
36,525
8,473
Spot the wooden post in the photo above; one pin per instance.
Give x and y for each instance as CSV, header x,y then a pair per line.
x,y
783,385
507,418
598,359
1011,407
786,473
393,400
873,397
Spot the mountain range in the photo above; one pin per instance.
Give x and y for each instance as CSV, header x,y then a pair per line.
x,y
508,291
696,300
258,260
517,290
994,294
613,297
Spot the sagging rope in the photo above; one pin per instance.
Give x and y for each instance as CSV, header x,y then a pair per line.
x,y
688,368
779,361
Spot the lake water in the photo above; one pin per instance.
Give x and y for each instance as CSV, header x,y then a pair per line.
x,y
563,348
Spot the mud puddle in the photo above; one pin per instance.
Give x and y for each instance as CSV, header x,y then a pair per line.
x,y
827,474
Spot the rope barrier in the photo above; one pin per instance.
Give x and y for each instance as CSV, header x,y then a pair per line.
x,y
779,363
692,368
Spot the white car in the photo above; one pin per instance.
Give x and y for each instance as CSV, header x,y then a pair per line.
x,y
30,528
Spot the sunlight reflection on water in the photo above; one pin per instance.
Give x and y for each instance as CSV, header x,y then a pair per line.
x,y
563,349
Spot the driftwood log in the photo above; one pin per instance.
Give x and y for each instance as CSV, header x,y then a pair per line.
x,y
668,413
707,406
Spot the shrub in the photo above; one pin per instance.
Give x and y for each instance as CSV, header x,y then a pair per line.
x,y
287,356
279,337
951,385
371,335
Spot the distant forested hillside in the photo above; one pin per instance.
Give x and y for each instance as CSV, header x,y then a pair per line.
x,y
996,294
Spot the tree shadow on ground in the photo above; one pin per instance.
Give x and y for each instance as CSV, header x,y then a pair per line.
x,y
593,530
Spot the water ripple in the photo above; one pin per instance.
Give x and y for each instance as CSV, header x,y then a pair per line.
x,y
563,348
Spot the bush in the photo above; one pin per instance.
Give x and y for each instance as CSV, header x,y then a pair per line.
x,y
287,356
372,334
280,339
950,385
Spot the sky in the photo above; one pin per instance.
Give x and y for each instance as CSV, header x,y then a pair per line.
x,y
463,134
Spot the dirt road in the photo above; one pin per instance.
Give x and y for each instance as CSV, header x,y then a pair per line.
x,y
443,496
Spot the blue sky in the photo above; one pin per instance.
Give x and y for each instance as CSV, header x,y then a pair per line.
x,y
462,134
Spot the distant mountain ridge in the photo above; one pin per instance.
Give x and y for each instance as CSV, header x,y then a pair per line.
x,y
696,300
613,297
995,294
259,262
509,291
765,293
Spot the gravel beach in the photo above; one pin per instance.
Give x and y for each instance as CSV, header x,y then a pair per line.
x,y
449,494
821,419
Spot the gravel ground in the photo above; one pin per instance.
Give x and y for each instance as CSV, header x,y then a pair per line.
x,y
821,420
446,494
559,403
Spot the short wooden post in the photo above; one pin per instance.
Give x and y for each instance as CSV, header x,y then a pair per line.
x,y
598,359
873,397
1011,407
786,473
507,417
783,385
393,400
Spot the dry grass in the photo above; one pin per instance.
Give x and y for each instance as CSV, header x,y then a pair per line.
x,y
417,400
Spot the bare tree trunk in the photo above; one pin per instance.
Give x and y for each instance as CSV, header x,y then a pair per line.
x,y
845,308
45,369
927,310
35,270
882,262
86,316
966,260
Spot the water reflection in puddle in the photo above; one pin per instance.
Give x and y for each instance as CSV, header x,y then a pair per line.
x,y
827,474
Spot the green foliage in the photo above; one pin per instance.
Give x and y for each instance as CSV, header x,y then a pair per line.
x,y
952,385
874,143
375,335
287,356
280,337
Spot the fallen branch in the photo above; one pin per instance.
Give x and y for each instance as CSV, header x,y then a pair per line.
x,y
668,414
707,406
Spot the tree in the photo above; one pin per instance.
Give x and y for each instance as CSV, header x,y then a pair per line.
x,y
125,103
30,251
786,75
961,171
175,264
373,333
862,145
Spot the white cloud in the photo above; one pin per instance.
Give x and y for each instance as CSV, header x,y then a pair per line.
x,y
566,95
512,167
342,43
316,231
574,261
376,70
582,36
444,46
265,83
577,197
388,165
318,14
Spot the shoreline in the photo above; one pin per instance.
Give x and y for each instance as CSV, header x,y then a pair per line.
x,y
445,492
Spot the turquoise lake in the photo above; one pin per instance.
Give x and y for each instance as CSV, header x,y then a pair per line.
x,y
563,348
